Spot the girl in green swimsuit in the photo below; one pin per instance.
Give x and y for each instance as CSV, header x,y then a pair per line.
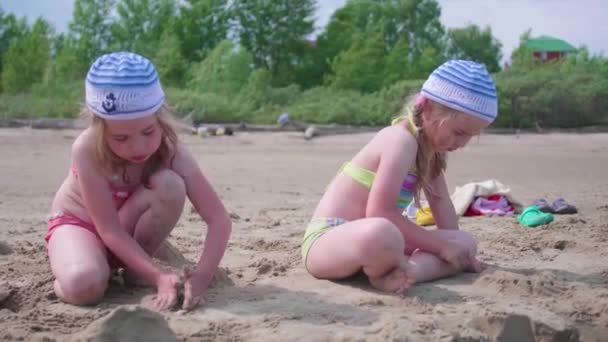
x,y
358,224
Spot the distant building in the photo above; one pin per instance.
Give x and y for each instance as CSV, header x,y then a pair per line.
x,y
546,48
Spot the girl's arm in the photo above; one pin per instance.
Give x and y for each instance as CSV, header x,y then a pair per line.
x,y
100,205
441,204
212,211
397,156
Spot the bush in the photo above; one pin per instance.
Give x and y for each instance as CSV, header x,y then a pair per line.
x,y
204,107
330,105
568,93
44,102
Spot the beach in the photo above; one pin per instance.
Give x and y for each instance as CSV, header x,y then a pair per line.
x,y
552,279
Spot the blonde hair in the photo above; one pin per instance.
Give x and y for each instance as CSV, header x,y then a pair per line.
x,y
429,163
108,161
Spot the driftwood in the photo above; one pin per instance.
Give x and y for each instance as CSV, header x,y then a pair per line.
x,y
322,129
43,123
185,125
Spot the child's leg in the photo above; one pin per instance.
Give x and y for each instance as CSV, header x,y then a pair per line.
x,y
372,244
79,263
150,215
424,266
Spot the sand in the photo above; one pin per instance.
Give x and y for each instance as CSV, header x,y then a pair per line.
x,y
545,284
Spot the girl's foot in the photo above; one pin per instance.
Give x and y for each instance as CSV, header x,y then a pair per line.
x,y
395,281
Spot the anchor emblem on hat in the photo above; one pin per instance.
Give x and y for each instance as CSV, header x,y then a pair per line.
x,y
109,103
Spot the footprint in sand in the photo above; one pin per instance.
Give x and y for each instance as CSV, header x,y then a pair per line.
x,y
265,266
522,282
5,249
263,245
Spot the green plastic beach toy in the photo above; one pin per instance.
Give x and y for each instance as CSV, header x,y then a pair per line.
x,y
533,217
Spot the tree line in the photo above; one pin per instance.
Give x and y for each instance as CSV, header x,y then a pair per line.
x,y
249,60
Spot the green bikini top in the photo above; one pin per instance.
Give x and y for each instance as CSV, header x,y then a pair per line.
x,y
366,177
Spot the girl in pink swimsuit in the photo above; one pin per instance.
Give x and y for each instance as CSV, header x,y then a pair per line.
x,y
128,181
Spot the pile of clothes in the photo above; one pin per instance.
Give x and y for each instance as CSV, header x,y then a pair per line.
x,y
486,198
492,198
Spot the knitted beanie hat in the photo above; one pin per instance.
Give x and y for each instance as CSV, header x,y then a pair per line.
x,y
464,86
123,86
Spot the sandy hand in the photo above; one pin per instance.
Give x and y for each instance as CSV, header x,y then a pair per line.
x,y
166,296
460,257
194,291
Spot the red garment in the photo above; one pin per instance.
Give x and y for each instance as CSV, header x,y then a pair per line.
x,y
472,211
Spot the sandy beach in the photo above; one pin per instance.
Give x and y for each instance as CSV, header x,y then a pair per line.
x,y
551,280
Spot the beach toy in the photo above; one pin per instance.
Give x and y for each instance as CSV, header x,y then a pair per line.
x,y
424,217
533,217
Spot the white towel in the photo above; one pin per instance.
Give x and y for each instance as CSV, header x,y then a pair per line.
x,y
465,195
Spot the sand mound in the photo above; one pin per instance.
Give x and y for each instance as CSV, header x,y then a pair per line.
x,y
5,292
520,328
221,278
128,324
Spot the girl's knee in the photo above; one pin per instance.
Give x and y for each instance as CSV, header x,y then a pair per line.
x,y
82,285
381,236
168,185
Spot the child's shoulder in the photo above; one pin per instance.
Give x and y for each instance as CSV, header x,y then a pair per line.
x,y
396,135
183,159
83,145
83,140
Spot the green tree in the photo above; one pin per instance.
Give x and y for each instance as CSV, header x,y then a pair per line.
x,y
169,61
11,29
337,37
275,33
414,24
140,23
225,70
256,90
202,25
429,59
66,66
89,34
361,66
397,64
522,56
26,59
472,43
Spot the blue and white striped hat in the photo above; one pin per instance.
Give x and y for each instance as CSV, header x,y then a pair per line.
x,y
465,86
123,86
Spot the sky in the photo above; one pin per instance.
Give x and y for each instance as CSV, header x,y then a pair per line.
x,y
579,22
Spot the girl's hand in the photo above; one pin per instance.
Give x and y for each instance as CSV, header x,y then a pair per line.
x,y
460,256
194,291
166,297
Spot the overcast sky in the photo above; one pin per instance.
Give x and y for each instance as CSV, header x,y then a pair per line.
x,y
580,22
